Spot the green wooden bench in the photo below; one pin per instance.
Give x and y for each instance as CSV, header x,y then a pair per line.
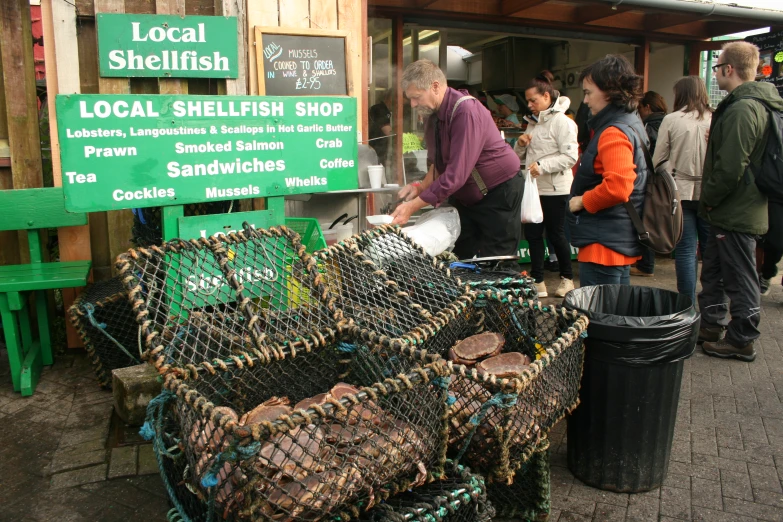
x,y
33,210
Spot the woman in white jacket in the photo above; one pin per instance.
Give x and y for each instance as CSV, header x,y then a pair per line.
x,y
549,149
682,140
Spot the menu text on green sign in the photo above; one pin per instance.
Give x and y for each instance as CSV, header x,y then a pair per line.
x,y
129,151
132,45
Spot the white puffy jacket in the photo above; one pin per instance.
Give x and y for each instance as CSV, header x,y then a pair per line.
x,y
553,146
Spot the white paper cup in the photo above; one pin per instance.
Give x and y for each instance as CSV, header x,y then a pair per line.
x,y
376,174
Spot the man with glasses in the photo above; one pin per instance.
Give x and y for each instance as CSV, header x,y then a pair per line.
x,y
734,207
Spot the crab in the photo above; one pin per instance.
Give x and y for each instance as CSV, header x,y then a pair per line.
x,y
471,350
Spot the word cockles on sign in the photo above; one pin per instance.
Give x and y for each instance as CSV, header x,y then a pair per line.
x,y
129,151
167,46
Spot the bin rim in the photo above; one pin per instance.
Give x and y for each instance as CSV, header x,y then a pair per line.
x,y
593,314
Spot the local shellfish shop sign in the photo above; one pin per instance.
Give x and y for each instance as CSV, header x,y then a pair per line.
x,y
167,46
128,151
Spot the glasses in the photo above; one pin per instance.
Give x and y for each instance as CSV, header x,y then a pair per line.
x,y
715,67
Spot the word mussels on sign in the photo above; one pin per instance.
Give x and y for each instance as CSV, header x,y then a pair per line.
x,y
167,46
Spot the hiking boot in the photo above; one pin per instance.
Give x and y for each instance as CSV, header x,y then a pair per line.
x,y
711,334
764,286
636,272
541,289
725,350
566,285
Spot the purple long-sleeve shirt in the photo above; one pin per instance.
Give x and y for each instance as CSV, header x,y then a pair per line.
x,y
469,139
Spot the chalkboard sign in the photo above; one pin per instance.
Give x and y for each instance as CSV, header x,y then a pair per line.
x,y
312,63
770,58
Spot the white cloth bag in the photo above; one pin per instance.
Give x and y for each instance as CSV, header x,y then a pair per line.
x,y
531,204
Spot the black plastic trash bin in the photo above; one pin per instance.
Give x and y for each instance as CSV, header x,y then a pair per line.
x,y
620,436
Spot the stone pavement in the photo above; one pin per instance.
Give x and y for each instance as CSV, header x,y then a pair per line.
x,y
727,458
65,458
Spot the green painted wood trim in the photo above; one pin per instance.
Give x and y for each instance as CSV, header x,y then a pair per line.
x,y
31,370
45,276
25,209
12,341
34,245
169,217
44,336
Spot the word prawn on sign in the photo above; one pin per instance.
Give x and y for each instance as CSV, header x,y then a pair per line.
x,y
291,64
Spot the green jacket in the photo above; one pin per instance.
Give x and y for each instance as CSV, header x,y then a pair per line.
x,y
737,137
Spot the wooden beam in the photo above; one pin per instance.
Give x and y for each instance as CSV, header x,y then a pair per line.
x,y
642,55
397,34
423,4
512,7
592,13
61,55
20,93
694,61
660,21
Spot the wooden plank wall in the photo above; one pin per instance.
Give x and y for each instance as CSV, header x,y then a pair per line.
x,y
346,15
110,232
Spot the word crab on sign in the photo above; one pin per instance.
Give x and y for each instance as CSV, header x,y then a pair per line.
x,y
167,46
129,151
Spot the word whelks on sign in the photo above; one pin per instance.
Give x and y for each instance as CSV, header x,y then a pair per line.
x,y
139,151
167,46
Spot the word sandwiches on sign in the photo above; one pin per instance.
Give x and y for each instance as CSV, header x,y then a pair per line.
x,y
298,64
167,46
131,151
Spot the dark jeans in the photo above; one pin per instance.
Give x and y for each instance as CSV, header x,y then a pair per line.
x,y
647,263
553,208
772,257
695,231
591,274
728,275
491,226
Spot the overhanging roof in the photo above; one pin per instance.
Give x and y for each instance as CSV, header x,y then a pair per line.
x,y
656,19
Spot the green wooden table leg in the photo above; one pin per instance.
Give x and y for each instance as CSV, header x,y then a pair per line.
x,y
31,370
44,336
13,341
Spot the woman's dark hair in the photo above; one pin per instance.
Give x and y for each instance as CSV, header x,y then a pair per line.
x,y
690,94
654,101
542,83
616,77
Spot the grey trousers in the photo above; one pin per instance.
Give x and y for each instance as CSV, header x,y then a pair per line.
x,y
730,285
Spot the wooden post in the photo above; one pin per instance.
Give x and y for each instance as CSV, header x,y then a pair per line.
x,y
443,52
643,63
20,93
397,33
118,222
694,60
9,253
236,8
61,54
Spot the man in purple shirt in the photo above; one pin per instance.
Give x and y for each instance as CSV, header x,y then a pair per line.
x,y
471,166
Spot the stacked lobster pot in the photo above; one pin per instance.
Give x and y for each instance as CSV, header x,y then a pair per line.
x,y
394,293
283,411
478,278
528,497
512,380
106,325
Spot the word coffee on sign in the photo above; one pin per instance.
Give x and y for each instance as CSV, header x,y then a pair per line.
x,y
296,64
167,46
128,151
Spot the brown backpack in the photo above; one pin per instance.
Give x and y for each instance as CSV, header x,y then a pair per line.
x,y
660,226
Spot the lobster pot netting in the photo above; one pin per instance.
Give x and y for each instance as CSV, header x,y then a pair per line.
x,y
106,324
528,498
494,421
503,280
244,294
389,288
460,497
147,230
331,431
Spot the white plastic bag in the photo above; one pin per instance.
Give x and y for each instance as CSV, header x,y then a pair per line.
x,y
531,204
436,231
